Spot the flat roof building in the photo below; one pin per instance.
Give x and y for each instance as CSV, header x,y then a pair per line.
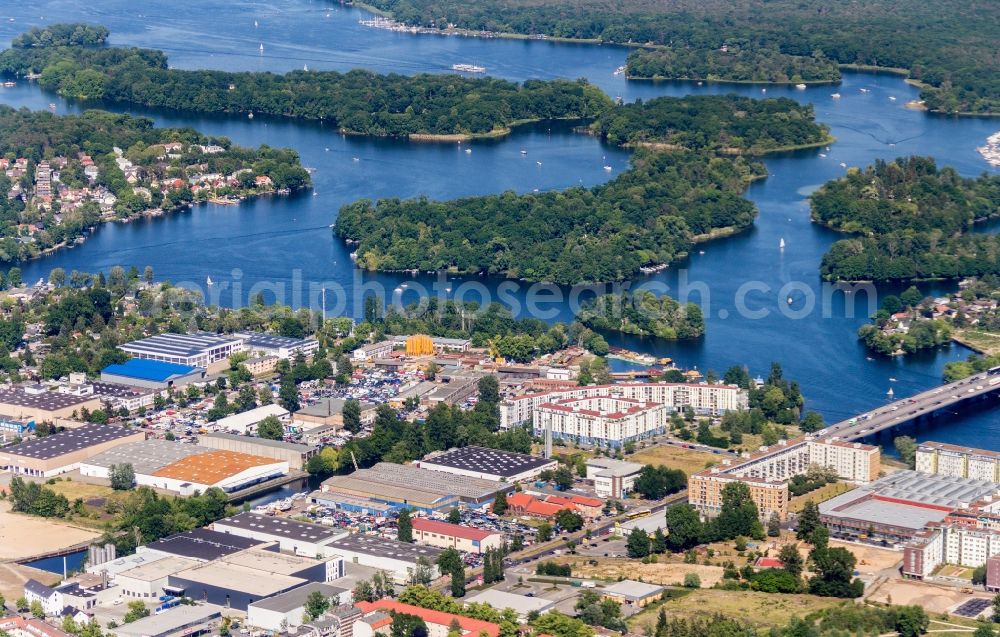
x,y
179,621
398,558
330,412
152,374
296,455
226,470
147,581
520,604
612,478
65,451
246,421
463,538
284,611
633,593
280,346
438,622
413,487
302,538
488,464
40,404
200,349
202,545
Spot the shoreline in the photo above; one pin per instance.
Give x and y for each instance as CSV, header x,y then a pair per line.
x,y
656,78
149,213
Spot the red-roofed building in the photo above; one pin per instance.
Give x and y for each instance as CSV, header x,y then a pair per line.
x,y
540,509
769,562
462,538
438,622
20,627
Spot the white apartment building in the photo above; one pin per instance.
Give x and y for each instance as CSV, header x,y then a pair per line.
x,y
703,398
605,420
950,544
939,458
852,461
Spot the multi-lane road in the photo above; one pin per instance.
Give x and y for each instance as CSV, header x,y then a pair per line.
x,y
904,410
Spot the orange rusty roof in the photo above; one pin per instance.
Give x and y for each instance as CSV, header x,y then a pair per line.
x,y
212,467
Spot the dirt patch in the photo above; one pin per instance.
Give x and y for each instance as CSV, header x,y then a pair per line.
x,y
871,558
24,536
667,574
932,597
13,576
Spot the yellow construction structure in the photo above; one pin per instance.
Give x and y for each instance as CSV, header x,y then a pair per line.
x,y
419,345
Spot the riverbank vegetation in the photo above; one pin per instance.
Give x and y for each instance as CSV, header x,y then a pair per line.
x,y
651,213
947,46
905,324
915,220
359,101
62,175
644,314
723,123
68,34
736,62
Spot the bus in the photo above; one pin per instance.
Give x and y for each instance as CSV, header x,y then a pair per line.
x,y
641,513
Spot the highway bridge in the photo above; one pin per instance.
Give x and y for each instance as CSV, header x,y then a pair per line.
x,y
985,385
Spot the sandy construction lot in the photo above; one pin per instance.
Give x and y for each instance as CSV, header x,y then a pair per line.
x,y
664,573
932,597
871,559
23,536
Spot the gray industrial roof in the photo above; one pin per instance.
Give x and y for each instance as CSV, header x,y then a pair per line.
x,y
939,490
179,344
203,544
464,487
383,547
521,604
630,589
296,598
611,467
147,456
48,400
170,622
329,407
259,340
281,527
505,464
864,509
68,441
264,442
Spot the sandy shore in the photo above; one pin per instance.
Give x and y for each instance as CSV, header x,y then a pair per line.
x,y
23,536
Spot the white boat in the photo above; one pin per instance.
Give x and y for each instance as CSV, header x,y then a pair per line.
x,y
835,96
52,106
608,168
890,392
524,152
468,68
891,379
781,244
801,87
701,252
621,69
305,67
208,281
250,115
468,151
763,90
843,165
539,163
356,158
892,98
261,47
255,24
823,155
789,300
864,90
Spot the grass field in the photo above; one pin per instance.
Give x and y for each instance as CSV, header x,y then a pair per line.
x,y
821,494
987,343
760,609
73,489
687,460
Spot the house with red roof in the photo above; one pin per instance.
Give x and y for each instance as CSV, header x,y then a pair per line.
x,y
447,535
438,622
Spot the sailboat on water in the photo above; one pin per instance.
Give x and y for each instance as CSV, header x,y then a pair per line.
x,y
261,47
890,393
781,244
208,281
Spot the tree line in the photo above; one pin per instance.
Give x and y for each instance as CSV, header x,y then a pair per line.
x,y
650,214
739,62
946,46
645,314
358,101
914,220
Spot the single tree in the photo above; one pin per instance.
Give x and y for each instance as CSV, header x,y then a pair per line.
x,y
404,525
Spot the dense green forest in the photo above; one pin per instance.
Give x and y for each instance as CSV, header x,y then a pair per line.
x,y
949,45
28,226
738,63
71,34
727,123
651,213
644,314
358,101
915,220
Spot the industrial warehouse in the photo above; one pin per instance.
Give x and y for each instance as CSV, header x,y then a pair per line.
x,y
184,469
488,464
65,451
412,487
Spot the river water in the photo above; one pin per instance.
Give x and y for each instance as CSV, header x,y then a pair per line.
x,y
285,243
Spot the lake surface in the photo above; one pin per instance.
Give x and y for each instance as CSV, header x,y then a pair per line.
x,y
285,243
